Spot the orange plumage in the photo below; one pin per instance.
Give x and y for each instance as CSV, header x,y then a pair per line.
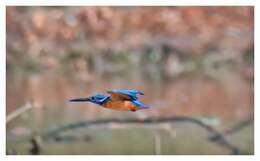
x,y
120,99
121,105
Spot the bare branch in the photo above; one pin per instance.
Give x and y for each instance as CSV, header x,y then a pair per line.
x,y
152,121
240,125
18,112
157,143
234,129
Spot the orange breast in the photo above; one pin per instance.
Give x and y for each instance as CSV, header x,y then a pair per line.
x,y
120,105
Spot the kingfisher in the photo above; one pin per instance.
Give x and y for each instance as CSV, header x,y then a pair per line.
x,y
118,99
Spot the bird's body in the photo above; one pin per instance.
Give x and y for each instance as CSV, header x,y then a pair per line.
x,y
122,105
119,99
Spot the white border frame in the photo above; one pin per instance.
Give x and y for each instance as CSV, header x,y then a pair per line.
x,y
4,3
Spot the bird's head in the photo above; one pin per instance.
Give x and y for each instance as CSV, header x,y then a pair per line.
x,y
97,99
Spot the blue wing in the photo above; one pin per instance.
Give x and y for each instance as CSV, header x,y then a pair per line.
x,y
124,94
140,104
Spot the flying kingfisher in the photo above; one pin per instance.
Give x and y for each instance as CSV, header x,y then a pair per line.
x,y
119,99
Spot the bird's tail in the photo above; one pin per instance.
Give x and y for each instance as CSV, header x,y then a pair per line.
x,y
140,104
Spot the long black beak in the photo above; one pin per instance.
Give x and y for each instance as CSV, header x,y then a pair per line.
x,y
80,100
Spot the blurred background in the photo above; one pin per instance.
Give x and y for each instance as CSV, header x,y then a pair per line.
x,y
195,62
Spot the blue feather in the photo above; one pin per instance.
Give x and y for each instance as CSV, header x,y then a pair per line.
x,y
139,104
100,99
128,92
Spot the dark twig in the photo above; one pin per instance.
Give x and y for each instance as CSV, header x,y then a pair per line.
x,y
237,127
36,144
152,121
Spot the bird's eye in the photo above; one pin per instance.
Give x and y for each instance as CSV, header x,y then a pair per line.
x,y
92,98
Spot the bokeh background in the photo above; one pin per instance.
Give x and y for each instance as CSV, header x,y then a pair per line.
x,y
189,61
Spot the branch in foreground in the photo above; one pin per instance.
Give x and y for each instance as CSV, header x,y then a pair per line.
x,y
18,112
153,121
239,126
234,129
